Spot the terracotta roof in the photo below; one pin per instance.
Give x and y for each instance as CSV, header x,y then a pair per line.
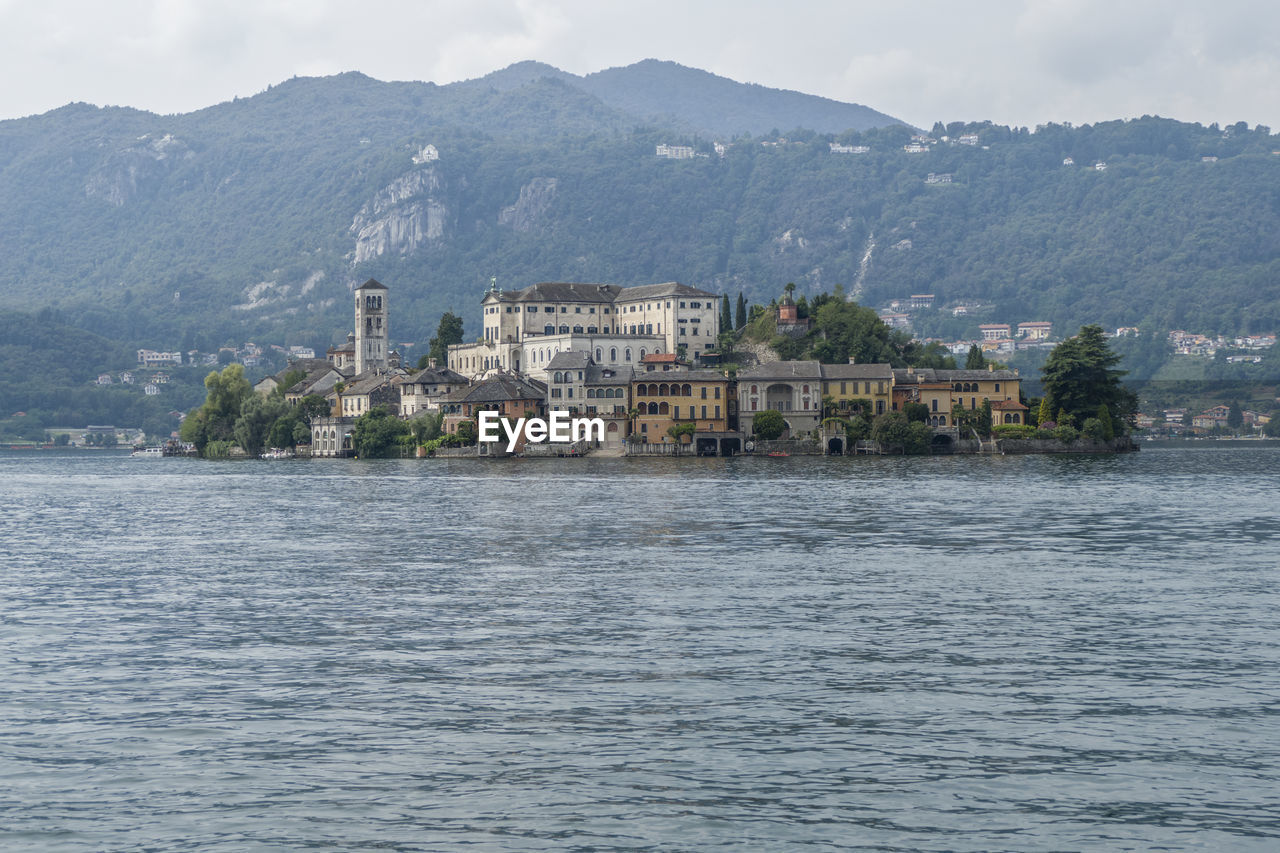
x,y
1008,405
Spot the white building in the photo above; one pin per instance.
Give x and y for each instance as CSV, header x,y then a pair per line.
x,y
524,329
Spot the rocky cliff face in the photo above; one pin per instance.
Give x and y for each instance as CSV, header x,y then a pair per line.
x,y
137,169
534,202
404,216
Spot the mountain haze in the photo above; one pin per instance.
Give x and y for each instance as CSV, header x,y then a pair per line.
x,y
252,219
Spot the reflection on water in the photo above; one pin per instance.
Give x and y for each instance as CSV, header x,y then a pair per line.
x,y
937,654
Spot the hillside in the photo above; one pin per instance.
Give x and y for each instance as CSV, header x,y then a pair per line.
x,y
252,219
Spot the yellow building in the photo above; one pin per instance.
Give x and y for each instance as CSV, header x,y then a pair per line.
x,y
662,400
969,388
844,383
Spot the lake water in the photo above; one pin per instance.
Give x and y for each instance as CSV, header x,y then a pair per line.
x,y
1022,653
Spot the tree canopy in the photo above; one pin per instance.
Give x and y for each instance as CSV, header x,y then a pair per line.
x,y
1080,375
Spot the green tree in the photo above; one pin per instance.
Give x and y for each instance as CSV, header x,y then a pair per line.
x,y
448,332
1105,422
975,360
1046,410
257,416
891,431
740,316
768,425
1080,374
427,426
1235,416
376,434
726,318
916,412
215,420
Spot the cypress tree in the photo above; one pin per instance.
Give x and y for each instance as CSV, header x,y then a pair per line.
x,y
726,320
741,318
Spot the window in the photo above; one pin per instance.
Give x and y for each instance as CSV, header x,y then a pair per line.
x,y
675,413
704,411
717,409
598,354
997,387
577,309
613,354
704,392
628,353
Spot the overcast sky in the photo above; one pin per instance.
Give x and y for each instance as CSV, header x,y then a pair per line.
x,y
1015,62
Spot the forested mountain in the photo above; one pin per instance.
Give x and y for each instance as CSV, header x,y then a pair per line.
x,y
252,219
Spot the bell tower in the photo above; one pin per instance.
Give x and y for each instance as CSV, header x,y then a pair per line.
x,y
372,332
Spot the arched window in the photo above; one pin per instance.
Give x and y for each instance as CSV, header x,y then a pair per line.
x,y
577,330
663,409
559,377
957,387
663,390
755,389
564,330
628,353
591,393
653,408
642,353
598,359
686,390
613,354
548,330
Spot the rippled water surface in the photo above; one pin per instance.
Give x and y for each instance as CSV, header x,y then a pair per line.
x,y
1025,653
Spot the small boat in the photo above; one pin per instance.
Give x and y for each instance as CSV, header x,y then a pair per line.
x,y
276,453
148,453
777,453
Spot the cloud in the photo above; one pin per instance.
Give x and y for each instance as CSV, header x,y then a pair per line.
x,y
1012,61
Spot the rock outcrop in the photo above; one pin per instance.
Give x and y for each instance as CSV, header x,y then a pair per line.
x,y
403,217
531,208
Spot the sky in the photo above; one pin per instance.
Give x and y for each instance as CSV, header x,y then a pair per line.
x,y
1015,62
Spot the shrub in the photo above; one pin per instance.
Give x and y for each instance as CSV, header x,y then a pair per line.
x,y
1043,434
1012,431
1093,429
1066,433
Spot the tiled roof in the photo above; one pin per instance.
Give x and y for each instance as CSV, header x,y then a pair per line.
x,y
498,388
569,360
372,284
975,375
621,375
1004,405
655,291
857,371
437,376
783,370
560,291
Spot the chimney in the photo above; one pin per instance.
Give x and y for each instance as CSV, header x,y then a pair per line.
x,y
431,362
853,359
